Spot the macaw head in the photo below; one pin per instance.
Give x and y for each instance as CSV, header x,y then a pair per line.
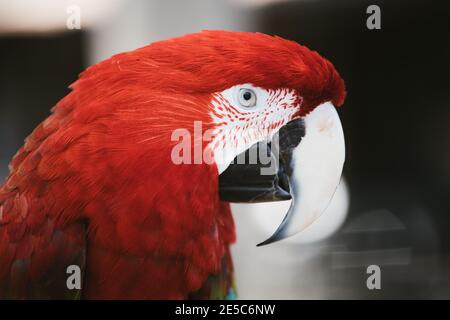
x,y
234,93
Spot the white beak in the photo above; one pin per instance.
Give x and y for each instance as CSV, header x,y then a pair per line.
x,y
316,165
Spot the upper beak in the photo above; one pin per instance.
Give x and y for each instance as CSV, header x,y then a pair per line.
x,y
307,157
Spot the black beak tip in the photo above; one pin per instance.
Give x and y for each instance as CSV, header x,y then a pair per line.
x,y
274,238
262,244
266,242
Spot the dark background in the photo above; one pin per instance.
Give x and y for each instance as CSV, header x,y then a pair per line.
x,y
397,124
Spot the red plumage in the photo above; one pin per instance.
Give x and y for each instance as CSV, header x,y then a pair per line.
x,y
94,184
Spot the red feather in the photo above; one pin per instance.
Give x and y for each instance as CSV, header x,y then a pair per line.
x,y
96,178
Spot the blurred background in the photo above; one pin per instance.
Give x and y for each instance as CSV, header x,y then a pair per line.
x,y
392,210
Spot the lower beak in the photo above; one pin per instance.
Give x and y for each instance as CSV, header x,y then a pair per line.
x,y
309,155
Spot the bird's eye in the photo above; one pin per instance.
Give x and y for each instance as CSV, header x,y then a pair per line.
x,y
247,98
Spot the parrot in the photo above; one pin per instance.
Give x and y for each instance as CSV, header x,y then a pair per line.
x,y
99,185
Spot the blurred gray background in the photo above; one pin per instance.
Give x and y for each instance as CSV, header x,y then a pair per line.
x,y
393,208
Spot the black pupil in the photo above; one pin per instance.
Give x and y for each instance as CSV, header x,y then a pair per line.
x,y
247,96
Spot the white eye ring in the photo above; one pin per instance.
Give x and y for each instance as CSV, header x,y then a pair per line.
x,y
247,98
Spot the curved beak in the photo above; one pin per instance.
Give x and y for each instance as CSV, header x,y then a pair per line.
x,y
309,155
314,170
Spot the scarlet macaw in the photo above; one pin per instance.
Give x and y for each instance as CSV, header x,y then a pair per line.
x,y
96,185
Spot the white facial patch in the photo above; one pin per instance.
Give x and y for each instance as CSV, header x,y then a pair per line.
x,y
238,126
